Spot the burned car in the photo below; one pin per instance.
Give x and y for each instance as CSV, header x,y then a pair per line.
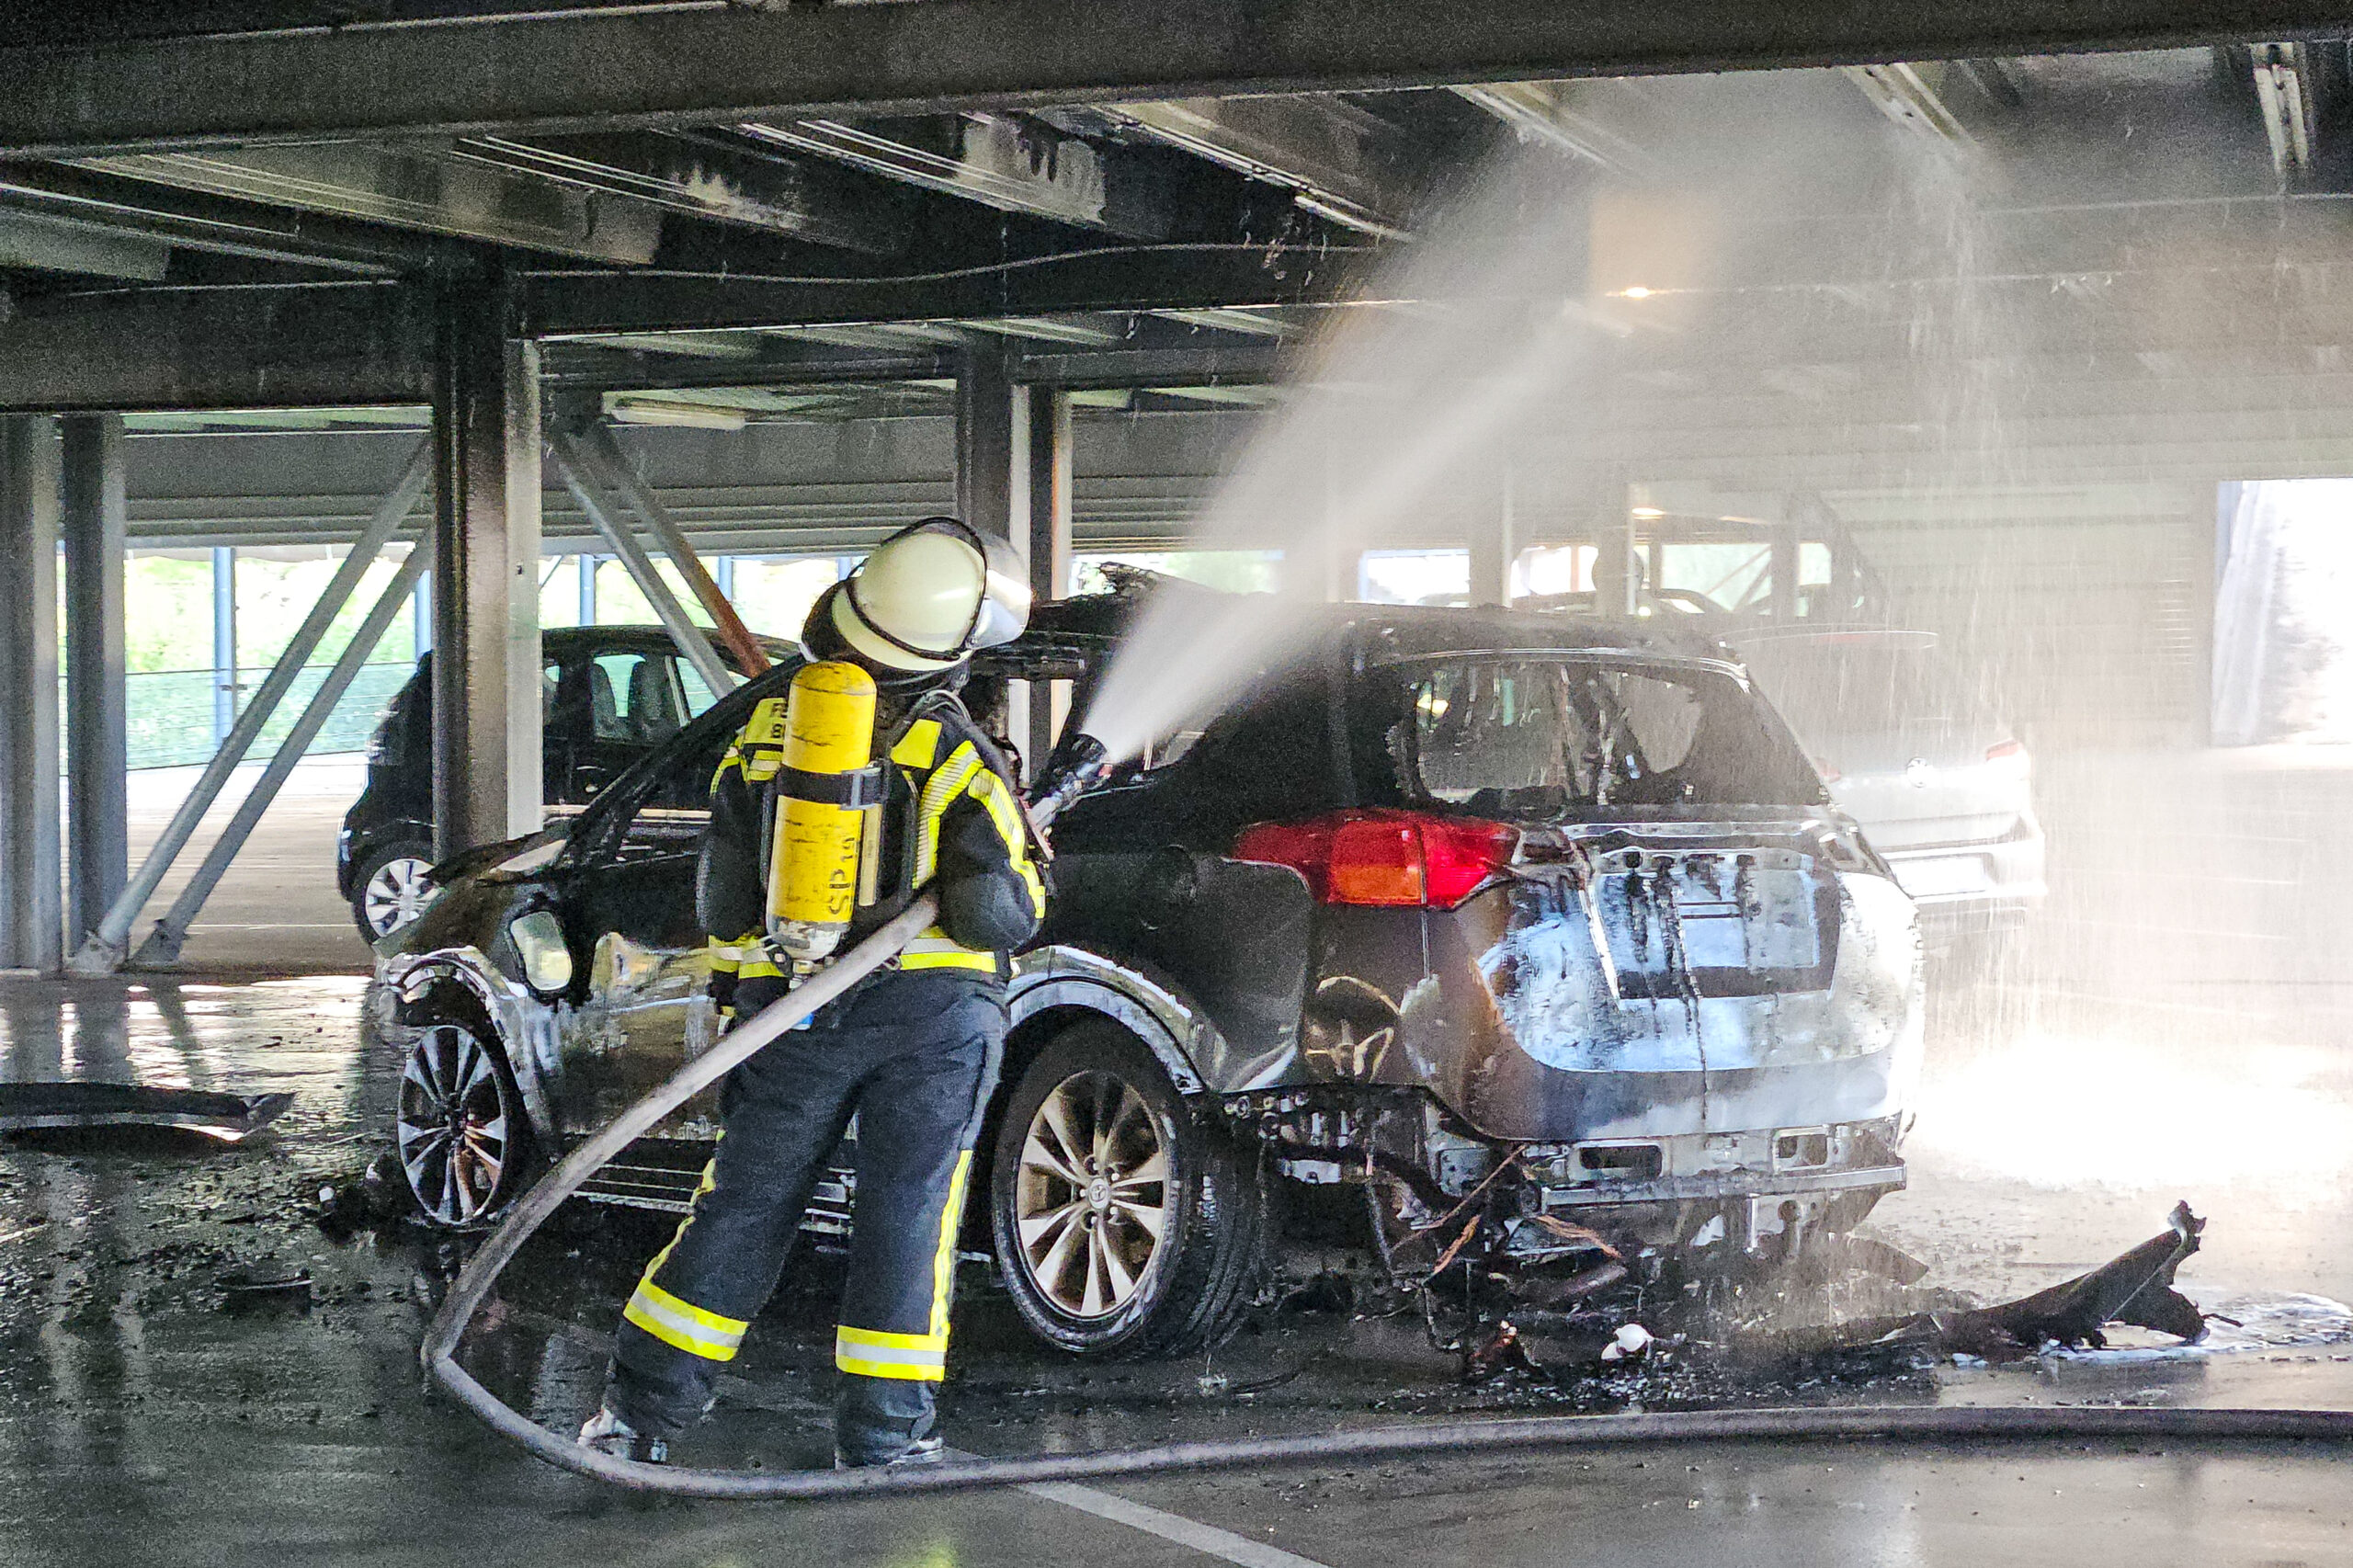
x,y
1517,941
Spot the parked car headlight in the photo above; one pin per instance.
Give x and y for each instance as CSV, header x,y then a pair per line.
x,y
539,943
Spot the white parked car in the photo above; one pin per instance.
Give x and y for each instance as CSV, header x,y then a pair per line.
x,y
1938,781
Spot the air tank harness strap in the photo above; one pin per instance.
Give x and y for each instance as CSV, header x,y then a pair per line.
x,y
854,791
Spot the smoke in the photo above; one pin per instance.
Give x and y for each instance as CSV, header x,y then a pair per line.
x,y
1487,326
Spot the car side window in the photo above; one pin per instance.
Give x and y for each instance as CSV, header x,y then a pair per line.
x,y
699,696
670,812
633,697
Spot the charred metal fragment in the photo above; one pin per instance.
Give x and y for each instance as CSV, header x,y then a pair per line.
x,y
2134,1289
29,1107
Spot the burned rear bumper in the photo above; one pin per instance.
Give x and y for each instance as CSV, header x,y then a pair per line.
x,y
1719,1187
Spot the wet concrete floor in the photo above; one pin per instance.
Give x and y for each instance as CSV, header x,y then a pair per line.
x,y
141,1422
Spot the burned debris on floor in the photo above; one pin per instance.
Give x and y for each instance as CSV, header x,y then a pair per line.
x,y
2135,1288
1598,1323
46,1106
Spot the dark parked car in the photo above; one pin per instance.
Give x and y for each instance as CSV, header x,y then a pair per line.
x,y
610,695
1473,936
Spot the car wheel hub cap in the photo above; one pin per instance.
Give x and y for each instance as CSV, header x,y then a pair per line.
x,y
397,893
453,1127
1092,1203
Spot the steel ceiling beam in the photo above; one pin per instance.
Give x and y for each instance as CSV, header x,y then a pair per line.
x,y
1174,276
601,69
2284,92
1342,162
268,348
1007,162
706,176
429,188
1904,92
1551,113
66,245
190,220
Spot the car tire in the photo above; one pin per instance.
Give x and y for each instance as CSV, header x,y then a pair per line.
x,y
461,1133
1102,1259
390,889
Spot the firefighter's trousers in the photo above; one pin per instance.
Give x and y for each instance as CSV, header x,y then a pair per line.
x,y
914,1055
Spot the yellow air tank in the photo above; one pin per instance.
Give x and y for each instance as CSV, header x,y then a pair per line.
x,y
825,793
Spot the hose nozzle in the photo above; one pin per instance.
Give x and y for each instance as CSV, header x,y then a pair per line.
x,y
1078,764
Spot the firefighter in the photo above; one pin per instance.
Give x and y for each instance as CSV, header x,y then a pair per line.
x,y
912,1052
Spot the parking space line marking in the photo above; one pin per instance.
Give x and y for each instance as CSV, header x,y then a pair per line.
x,y
1202,1538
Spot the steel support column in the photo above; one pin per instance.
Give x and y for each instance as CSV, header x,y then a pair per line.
x,y
1494,542
992,445
993,484
1617,580
485,574
1050,541
31,922
97,809
224,641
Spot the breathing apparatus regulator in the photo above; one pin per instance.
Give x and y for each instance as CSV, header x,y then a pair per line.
x,y
928,598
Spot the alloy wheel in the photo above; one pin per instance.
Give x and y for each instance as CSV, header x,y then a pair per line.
x,y
1093,1198
453,1125
397,893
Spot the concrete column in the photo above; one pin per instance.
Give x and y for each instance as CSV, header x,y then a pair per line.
x,y
97,811
32,925
225,642
485,574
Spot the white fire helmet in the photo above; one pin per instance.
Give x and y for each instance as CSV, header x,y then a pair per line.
x,y
930,595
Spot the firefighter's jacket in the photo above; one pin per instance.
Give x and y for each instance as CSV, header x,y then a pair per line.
x,y
949,821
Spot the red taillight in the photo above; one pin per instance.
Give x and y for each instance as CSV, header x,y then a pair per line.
x,y
1385,859
2010,758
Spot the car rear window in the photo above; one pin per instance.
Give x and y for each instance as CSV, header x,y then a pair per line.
x,y
1522,736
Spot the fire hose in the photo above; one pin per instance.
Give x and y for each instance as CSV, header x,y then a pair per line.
x,y
1067,776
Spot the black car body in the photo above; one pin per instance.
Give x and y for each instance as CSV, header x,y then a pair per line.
x,y
1538,933
610,695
